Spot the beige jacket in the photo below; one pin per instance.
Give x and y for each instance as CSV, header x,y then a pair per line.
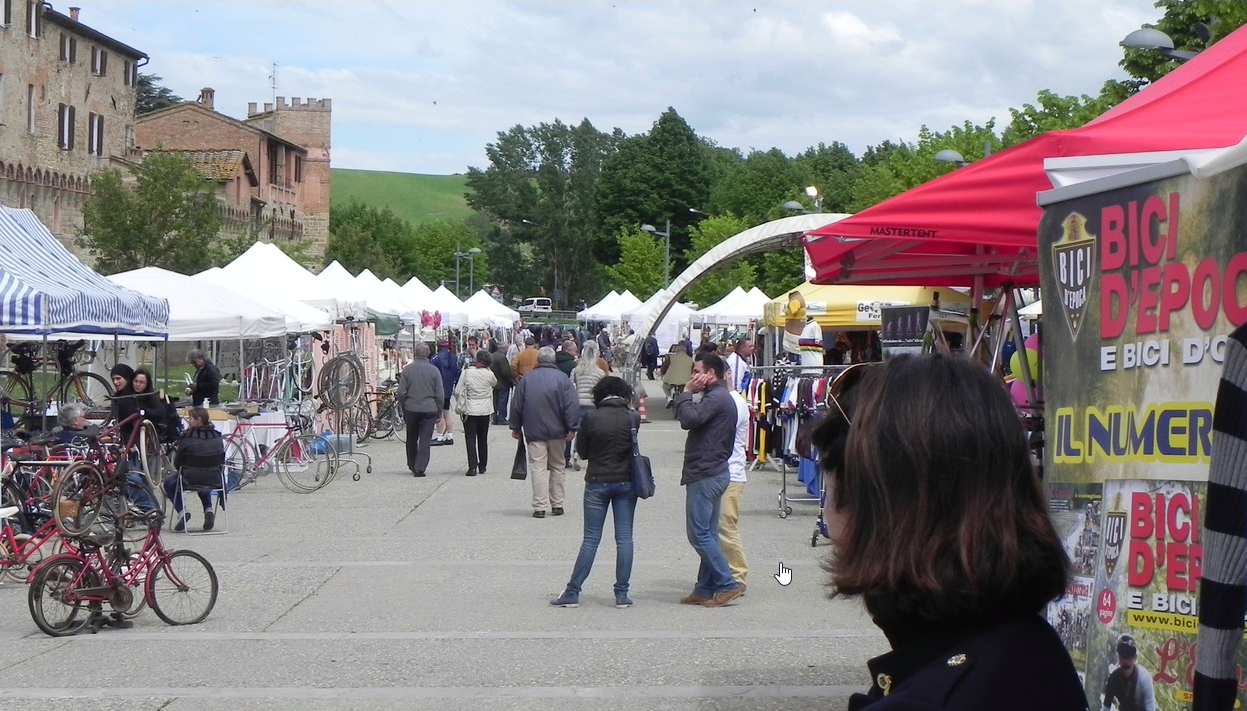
x,y
474,394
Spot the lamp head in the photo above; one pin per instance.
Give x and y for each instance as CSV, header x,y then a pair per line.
x,y
649,228
794,206
948,155
811,191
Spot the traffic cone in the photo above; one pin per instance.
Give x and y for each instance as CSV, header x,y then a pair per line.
x,y
641,411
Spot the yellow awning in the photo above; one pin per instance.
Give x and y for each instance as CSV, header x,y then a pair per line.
x,y
854,305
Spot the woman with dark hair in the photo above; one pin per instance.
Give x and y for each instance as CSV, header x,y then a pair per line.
x,y
939,524
605,442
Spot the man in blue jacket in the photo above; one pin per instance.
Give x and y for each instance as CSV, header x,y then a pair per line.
x,y
545,411
711,423
448,365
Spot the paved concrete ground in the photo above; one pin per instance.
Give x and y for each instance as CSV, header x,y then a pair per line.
x,y
400,593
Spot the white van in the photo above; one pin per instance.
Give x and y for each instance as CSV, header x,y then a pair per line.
x,y
536,305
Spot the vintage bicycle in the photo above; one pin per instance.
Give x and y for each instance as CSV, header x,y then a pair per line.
x,y
304,461
20,385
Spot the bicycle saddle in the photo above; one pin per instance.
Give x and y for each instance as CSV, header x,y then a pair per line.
x,y
8,511
236,410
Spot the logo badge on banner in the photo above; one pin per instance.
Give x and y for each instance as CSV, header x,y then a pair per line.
x,y
1073,261
1114,535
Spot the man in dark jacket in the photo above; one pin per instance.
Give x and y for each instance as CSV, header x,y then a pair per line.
x,y
197,461
207,384
565,359
649,356
420,392
448,365
711,424
545,409
502,371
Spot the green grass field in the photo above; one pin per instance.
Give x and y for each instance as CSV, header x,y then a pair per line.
x,y
416,198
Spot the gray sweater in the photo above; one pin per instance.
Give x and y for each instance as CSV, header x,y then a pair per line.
x,y
420,387
711,425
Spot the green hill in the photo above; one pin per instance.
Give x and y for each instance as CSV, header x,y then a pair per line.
x,y
415,198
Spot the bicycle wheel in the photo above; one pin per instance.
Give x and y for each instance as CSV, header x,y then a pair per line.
x,y
360,418
182,588
11,495
15,389
305,463
400,422
77,498
86,387
149,452
240,463
52,599
341,382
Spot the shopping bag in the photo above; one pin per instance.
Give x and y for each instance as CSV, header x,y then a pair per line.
x,y
642,472
519,469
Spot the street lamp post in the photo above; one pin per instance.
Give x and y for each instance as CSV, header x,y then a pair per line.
x,y
666,261
459,257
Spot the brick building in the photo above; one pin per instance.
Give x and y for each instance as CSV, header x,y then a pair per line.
x,y
272,168
67,97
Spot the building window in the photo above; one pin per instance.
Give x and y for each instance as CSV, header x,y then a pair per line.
x,y
99,62
131,73
7,9
34,18
95,134
129,137
69,48
298,169
30,108
65,127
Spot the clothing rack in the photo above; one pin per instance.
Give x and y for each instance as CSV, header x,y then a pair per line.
x,y
780,398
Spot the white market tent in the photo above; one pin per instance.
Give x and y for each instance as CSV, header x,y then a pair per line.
x,y
710,313
264,268
300,317
452,311
740,310
45,289
338,282
200,310
375,289
483,309
610,296
611,310
670,330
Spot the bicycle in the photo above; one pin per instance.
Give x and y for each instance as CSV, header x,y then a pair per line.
x,y
304,461
388,419
18,385
25,526
95,485
180,586
341,382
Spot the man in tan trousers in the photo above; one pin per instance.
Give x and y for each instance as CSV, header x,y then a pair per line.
x,y
546,410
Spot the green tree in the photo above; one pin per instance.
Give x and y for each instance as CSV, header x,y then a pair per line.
x,y
902,167
718,282
756,185
362,237
433,259
640,265
781,270
168,218
653,178
539,190
833,170
153,96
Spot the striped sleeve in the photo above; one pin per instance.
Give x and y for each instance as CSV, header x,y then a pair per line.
x,y
1223,581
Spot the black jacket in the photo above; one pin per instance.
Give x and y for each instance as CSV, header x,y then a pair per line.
x,y
207,385
605,441
196,448
126,403
502,370
1018,664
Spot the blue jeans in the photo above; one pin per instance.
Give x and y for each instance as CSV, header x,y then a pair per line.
x,y
621,499
500,404
701,522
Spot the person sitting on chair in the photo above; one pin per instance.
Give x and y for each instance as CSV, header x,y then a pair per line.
x,y
197,459
73,418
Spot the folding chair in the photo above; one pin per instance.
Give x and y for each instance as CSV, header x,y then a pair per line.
x,y
216,491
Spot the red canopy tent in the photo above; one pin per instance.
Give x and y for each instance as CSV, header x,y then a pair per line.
x,y
979,222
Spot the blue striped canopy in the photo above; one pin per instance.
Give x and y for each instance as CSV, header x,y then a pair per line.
x,y
45,289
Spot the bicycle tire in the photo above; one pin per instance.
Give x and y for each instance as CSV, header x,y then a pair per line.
x,y
77,498
85,387
53,588
400,422
341,382
16,389
240,462
11,495
305,463
383,421
174,590
361,421
149,451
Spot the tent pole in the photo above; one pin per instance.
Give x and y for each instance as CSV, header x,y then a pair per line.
x,y
241,358
1032,392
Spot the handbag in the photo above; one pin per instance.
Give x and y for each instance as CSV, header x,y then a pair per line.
x,y
519,468
642,473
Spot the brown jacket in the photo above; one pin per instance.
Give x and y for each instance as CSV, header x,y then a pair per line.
x,y
524,363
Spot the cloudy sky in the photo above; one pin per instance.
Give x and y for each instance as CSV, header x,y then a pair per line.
x,y
422,87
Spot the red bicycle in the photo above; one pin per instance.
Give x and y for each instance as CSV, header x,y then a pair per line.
x,y
68,591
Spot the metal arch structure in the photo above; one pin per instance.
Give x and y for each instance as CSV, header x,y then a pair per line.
x,y
777,234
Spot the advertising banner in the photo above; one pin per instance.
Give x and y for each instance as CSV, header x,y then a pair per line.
x,y
1141,285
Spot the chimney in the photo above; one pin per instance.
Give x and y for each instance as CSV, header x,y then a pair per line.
x,y
73,14
207,97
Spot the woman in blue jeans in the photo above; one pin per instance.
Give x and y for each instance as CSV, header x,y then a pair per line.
x,y
605,442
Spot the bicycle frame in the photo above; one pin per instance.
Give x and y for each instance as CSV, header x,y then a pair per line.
x,y
22,550
94,559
